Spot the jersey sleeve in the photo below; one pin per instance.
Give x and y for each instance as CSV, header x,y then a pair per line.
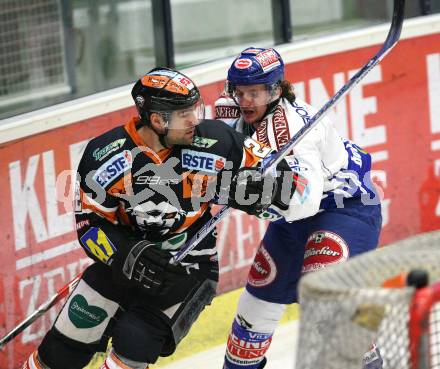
x,y
319,156
100,233
309,185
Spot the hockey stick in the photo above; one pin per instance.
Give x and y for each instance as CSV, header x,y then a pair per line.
x,y
63,292
269,163
391,40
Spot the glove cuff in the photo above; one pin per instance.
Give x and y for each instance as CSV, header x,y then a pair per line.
x,y
133,255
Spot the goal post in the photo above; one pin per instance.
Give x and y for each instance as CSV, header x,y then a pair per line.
x,y
345,308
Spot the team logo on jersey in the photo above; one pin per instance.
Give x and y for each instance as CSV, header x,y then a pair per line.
x,y
263,270
204,142
113,167
100,154
324,248
202,161
157,218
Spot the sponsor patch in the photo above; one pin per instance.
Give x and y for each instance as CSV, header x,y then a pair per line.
x,y
324,248
113,167
180,79
95,241
202,161
173,85
100,154
246,347
204,142
81,224
268,59
173,243
243,63
263,270
82,315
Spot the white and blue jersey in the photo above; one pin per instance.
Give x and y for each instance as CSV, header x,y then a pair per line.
x,y
330,168
335,212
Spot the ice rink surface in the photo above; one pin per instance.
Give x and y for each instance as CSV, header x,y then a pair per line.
x,y
281,354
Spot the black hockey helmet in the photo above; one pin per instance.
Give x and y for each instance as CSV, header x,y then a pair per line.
x,y
163,90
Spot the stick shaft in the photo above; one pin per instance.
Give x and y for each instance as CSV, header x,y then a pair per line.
x,y
41,310
267,165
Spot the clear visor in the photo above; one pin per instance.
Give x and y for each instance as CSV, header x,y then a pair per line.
x,y
185,118
254,95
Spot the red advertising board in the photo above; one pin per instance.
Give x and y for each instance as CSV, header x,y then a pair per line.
x,y
394,113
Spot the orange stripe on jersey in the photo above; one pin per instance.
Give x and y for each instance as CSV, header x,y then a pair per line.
x,y
36,361
123,186
109,215
123,216
192,219
249,160
196,184
157,158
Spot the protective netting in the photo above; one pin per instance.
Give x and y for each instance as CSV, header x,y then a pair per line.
x,y
32,57
344,309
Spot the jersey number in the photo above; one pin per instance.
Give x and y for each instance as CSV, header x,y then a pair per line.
x,y
257,149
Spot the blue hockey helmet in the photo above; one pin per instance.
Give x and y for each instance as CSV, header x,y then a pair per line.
x,y
256,66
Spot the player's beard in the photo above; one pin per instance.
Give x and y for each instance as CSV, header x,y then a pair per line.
x,y
181,138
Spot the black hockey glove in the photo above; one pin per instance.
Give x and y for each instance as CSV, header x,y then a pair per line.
x,y
253,193
149,267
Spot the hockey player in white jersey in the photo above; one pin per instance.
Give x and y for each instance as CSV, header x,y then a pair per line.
x,y
335,213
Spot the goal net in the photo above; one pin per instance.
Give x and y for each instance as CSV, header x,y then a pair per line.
x,y
345,308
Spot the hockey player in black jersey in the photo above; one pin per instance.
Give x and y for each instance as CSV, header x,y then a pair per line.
x,y
143,190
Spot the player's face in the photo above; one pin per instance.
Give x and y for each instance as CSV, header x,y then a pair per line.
x,y
253,102
182,124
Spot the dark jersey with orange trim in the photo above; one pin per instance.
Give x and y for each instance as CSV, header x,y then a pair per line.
x,y
126,192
